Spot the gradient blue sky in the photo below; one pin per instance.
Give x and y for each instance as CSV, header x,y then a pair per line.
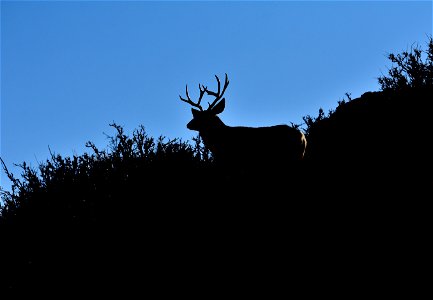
x,y
68,69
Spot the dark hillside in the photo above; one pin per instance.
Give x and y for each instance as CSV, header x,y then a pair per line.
x,y
152,215
378,143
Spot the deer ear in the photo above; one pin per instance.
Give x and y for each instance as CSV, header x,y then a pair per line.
x,y
195,112
219,108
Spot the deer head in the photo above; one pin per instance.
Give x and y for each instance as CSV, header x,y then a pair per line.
x,y
207,119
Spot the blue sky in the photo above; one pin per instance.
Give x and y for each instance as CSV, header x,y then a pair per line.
x,y
68,69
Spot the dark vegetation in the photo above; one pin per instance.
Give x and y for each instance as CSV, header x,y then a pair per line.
x,y
148,214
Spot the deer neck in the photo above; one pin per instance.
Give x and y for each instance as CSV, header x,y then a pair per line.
x,y
212,136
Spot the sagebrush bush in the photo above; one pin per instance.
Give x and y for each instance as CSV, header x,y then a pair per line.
x,y
72,185
411,68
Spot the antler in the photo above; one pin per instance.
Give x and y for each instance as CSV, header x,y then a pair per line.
x,y
188,100
218,95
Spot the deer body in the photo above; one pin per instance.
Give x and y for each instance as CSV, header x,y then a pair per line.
x,y
259,146
244,147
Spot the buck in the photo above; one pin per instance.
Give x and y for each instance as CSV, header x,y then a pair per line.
x,y
245,147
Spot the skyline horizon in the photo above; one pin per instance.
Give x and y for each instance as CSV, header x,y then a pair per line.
x,y
69,69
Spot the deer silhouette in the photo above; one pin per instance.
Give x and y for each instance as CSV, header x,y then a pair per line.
x,y
248,148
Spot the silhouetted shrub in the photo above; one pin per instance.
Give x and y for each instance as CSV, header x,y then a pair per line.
x,y
72,186
413,68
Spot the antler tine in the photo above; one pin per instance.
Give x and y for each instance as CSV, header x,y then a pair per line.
x,y
202,89
226,83
218,95
219,84
189,101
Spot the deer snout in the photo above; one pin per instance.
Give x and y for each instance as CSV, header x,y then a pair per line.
x,y
191,125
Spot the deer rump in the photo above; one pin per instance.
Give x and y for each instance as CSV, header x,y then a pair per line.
x,y
251,147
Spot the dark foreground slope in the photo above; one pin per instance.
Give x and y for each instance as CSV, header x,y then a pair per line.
x,y
161,216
